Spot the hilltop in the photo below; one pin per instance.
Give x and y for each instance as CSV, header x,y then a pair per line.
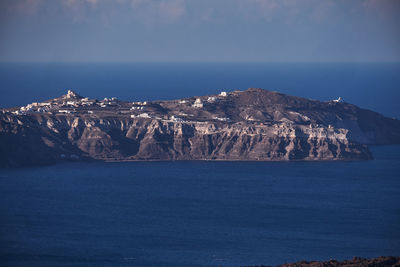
x,y
254,124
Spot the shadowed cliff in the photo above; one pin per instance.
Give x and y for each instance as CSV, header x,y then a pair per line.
x,y
254,124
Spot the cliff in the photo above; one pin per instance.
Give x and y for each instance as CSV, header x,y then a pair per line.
x,y
242,125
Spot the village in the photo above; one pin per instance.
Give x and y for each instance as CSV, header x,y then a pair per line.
x,y
74,104
214,108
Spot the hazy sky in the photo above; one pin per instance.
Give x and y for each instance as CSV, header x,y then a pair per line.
x,y
199,30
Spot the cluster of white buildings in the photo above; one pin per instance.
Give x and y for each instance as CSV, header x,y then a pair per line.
x,y
34,107
211,99
141,115
108,102
81,102
222,119
70,101
176,119
71,94
137,108
198,103
140,103
65,111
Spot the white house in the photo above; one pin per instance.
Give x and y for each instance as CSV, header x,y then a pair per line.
x,y
142,115
198,103
211,99
337,100
177,119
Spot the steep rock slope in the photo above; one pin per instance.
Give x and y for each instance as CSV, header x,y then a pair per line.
x,y
243,125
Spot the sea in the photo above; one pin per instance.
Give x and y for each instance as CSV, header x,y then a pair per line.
x,y
201,213
374,86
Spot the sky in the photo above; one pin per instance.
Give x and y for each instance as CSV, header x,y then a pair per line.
x,y
199,30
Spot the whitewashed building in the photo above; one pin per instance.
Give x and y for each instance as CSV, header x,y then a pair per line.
x,y
198,103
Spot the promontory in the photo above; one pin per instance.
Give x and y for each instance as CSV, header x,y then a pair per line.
x,y
255,125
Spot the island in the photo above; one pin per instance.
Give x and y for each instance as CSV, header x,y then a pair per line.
x,y
250,125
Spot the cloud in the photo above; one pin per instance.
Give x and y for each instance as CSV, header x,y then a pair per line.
x,y
26,7
172,11
384,8
82,4
151,11
93,2
77,9
268,4
291,9
323,9
147,11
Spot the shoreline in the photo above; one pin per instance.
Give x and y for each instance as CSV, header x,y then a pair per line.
x,y
381,261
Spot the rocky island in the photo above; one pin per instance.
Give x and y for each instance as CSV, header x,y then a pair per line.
x,y
254,124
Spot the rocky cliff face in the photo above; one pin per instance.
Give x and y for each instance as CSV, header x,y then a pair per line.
x,y
251,125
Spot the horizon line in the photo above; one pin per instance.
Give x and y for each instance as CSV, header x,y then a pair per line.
x,y
195,61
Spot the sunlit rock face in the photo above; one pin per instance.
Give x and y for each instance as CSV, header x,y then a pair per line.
x,y
242,125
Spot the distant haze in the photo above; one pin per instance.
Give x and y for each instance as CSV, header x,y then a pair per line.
x,y
206,30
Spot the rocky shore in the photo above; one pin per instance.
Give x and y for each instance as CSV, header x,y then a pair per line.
x,y
355,262
255,124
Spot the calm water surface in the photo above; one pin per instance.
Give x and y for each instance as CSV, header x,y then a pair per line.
x,y
374,86
200,213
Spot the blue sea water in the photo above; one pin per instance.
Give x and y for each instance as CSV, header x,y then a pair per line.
x,y
374,86
200,213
